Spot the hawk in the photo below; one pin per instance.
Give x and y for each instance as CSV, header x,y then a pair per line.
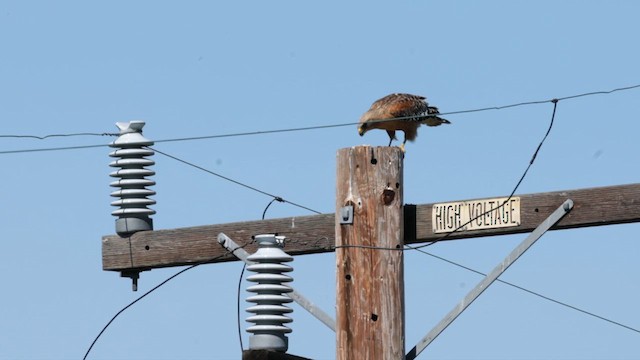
x,y
411,111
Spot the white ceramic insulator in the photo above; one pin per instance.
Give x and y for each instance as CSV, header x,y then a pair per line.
x,y
132,193
269,319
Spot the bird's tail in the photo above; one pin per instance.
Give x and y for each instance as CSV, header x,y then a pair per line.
x,y
434,120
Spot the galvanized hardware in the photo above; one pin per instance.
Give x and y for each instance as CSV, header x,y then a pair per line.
x,y
550,221
346,215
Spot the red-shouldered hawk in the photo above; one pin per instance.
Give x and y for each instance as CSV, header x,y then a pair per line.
x,y
412,109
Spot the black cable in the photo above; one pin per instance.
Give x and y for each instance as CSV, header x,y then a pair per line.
x,y
244,266
543,101
275,197
604,92
529,291
533,158
57,135
154,289
5,152
140,298
262,132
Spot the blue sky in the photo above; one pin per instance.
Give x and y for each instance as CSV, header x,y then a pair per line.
x,y
205,68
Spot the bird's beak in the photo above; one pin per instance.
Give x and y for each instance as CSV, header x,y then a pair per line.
x,y
361,130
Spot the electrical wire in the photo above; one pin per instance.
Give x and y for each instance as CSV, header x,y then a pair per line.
x,y
275,197
140,298
524,174
444,237
260,132
602,92
318,127
7,152
537,102
244,267
529,291
57,135
154,289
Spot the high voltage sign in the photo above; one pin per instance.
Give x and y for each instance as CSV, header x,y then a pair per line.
x,y
476,214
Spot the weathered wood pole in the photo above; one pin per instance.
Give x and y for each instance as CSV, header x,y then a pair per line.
x,y
370,281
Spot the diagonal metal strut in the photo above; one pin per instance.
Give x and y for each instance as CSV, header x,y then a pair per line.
x,y
558,214
242,254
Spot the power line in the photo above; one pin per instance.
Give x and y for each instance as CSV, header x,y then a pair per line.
x,y
604,92
275,197
244,267
524,174
262,132
56,135
156,288
537,102
140,298
529,291
307,128
6,152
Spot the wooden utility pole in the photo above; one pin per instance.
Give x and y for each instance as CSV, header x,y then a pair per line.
x,y
379,219
370,282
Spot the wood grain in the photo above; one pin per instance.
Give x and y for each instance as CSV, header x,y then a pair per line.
x,y
369,282
316,234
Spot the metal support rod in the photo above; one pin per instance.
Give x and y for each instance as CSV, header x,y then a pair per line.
x,y
490,278
305,303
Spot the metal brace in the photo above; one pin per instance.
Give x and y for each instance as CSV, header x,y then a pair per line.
x,y
346,215
553,219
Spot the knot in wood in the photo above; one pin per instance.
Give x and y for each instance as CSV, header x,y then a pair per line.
x,y
387,196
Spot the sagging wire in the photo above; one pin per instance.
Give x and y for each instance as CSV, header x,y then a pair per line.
x,y
154,289
306,128
585,312
140,298
56,135
275,197
524,174
444,237
244,267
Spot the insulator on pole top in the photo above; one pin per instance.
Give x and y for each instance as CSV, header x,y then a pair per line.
x,y
133,196
270,295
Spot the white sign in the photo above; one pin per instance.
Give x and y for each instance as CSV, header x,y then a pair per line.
x,y
475,215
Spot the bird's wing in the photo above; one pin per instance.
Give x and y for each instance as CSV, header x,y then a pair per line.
x,y
404,105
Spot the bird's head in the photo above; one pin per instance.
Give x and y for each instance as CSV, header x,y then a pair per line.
x,y
365,124
362,128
